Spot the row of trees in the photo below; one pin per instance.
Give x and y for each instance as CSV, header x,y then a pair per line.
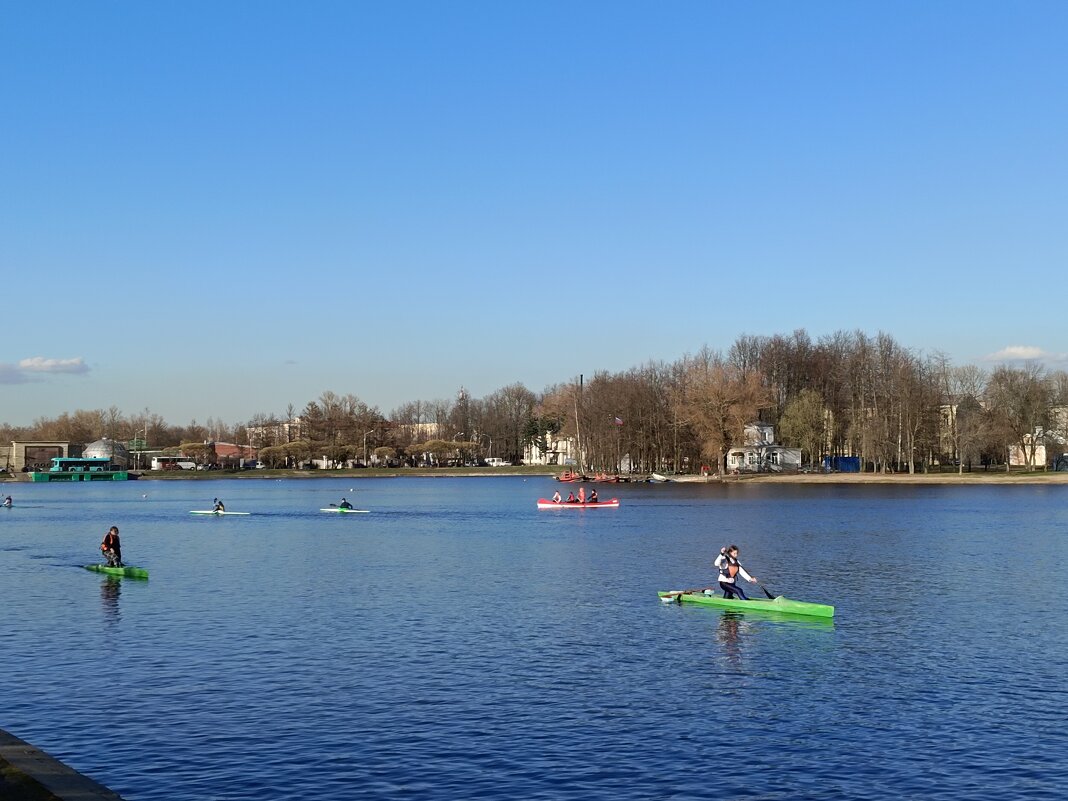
x,y
848,393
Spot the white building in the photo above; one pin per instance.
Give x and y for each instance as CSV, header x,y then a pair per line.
x,y
760,453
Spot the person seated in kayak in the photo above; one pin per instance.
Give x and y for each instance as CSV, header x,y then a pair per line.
x,y
556,497
344,504
111,548
729,569
593,496
8,502
219,507
571,498
582,495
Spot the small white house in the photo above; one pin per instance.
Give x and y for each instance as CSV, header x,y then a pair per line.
x,y
760,453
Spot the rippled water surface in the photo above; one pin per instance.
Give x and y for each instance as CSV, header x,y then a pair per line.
x,y
458,643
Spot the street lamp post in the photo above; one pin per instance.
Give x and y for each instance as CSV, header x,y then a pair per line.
x,y
140,443
365,446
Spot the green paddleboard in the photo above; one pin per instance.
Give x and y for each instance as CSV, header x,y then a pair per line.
x,y
128,572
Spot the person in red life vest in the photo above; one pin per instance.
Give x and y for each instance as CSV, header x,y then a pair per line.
x,y
570,498
111,547
729,569
582,495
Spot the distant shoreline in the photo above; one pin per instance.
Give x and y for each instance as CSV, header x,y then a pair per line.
x,y
1000,477
541,471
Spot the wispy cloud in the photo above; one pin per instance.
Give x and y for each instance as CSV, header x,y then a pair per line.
x,y
37,368
39,364
11,374
1025,353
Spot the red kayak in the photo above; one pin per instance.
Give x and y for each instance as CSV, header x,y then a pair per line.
x,y
611,503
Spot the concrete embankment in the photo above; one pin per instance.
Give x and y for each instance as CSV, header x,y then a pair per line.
x,y
29,774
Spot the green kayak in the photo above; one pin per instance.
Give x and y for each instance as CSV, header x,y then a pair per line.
x,y
129,572
780,604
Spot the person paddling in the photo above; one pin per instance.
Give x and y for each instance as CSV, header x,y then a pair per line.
x,y
219,507
582,495
111,547
593,496
570,497
7,502
729,569
344,504
556,497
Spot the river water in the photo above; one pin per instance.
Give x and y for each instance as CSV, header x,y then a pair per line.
x,y
458,643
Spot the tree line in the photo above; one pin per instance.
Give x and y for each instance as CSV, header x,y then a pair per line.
x,y
845,394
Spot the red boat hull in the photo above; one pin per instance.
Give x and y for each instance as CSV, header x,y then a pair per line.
x,y
610,503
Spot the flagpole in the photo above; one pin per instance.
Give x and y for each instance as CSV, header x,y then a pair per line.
x,y
578,434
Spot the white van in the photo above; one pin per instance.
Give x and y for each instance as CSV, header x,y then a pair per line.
x,y
494,461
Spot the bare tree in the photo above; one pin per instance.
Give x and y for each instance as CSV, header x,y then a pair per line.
x,y
720,400
1020,400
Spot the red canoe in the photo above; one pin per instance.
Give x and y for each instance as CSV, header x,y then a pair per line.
x,y
610,503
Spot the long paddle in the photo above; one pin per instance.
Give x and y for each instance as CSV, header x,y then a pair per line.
x,y
765,589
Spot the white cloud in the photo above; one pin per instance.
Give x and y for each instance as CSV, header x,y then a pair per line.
x,y
1026,353
1017,353
39,364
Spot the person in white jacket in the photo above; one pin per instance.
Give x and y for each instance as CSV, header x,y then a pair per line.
x,y
729,569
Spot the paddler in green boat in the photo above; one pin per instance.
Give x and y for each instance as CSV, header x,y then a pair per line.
x,y
111,547
344,504
729,570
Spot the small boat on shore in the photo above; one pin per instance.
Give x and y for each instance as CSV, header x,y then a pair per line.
x,y
570,476
658,478
604,478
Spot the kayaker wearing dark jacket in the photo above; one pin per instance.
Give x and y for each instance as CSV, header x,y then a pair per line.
x,y
111,547
729,569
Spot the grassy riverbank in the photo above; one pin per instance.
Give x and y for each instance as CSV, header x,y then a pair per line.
x,y
369,472
990,477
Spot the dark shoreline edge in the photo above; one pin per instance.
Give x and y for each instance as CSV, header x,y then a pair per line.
x,y
29,774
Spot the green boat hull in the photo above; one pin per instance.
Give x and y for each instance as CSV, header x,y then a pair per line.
x,y
781,605
128,572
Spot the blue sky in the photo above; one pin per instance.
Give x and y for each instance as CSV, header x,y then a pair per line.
x,y
218,209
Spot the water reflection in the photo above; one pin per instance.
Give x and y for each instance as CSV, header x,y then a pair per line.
x,y
729,635
110,589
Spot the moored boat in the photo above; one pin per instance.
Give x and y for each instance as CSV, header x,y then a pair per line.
x,y
127,571
604,478
608,503
779,604
570,476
